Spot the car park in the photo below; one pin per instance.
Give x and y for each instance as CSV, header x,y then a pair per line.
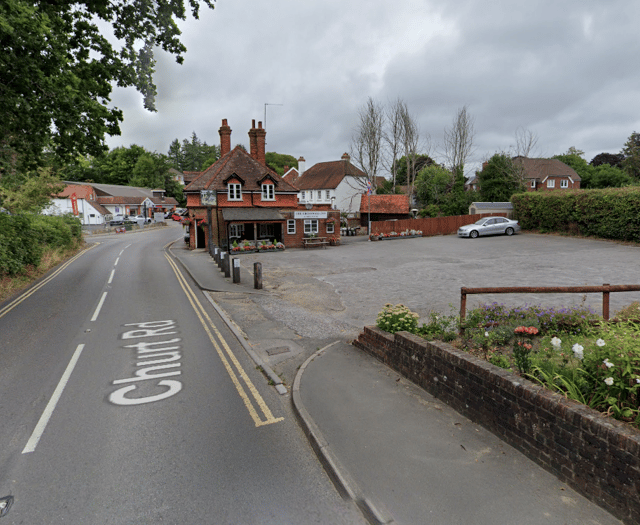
x,y
489,226
116,220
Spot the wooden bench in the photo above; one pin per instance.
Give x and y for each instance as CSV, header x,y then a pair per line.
x,y
315,241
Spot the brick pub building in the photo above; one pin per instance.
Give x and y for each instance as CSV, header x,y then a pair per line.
x,y
246,200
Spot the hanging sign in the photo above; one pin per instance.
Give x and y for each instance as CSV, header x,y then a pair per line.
x,y
208,197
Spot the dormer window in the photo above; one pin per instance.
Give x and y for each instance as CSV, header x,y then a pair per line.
x,y
235,192
268,192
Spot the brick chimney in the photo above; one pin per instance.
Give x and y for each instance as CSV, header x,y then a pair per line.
x,y
257,142
225,138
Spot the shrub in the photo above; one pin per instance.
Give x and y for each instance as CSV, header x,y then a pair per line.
x,y
397,318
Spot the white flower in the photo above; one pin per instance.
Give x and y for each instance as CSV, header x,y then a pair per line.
x,y
578,351
609,381
600,342
555,342
486,334
637,380
608,363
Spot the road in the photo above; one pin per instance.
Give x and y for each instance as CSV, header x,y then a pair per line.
x,y
124,399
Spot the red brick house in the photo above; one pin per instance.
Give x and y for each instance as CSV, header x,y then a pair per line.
x,y
246,200
548,174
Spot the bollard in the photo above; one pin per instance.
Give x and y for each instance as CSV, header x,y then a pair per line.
x,y
236,270
257,276
216,254
227,266
221,261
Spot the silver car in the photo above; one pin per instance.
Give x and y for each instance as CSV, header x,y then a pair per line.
x,y
489,226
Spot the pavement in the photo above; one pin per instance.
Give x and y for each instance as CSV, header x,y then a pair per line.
x,y
400,454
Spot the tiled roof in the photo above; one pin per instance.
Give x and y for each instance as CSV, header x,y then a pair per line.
x,y
99,208
291,176
390,204
82,191
543,168
327,175
236,162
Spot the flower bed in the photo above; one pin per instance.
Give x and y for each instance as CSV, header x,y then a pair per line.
x,y
256,246
407,234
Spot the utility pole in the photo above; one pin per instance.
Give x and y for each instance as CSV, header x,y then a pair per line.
x,y
265,112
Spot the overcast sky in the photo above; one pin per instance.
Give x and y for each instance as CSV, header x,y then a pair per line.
x,y
566,70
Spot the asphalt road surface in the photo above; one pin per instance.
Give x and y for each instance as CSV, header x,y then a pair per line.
x,y
125,400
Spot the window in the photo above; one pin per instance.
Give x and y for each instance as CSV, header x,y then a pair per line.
x,y
533,183
266,231
268,193
236,230
564,183
328,195
330,227
235,192
291,227
319,195
311,226
551,183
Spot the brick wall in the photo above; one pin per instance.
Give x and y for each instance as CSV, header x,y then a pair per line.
x,y
430,226
597,456
295,240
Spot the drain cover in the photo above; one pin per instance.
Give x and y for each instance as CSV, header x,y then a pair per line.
x,y
278,350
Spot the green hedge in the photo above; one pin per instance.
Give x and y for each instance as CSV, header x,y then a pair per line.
x,y
23,239
612,213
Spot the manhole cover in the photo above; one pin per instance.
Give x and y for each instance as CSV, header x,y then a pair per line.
x,y
278,350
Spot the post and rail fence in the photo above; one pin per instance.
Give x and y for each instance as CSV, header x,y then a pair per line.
x,y
605,290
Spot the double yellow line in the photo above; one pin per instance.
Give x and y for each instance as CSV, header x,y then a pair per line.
x,y
236,372
6,309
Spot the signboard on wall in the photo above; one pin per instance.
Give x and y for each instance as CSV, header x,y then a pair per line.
x,y
309,214
208,197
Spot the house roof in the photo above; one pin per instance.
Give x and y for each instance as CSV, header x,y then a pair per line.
x,y
328,175
99,208
188,176
291,176
84,191
544,168
237,162
389,204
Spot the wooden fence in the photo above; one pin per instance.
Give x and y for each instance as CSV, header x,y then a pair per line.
x,y
429,226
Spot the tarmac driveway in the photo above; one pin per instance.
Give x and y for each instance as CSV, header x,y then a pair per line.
x,y
315,296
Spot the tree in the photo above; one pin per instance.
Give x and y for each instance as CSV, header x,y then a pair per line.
x,y
432,184
192,154
278,161
613,159
631,152
29,193
421,162
526,142
458,141
499,179
392,136
577,162
605,176
57,71
366,141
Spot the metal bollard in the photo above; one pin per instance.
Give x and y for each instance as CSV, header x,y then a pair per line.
x,y
227,266
236,270
221,261
216,254
257,275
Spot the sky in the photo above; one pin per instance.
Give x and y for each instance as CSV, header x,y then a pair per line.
x,y
565,70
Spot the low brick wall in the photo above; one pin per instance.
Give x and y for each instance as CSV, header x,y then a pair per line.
x,y
597,456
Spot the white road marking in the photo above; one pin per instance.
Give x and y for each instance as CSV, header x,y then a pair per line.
x,y
48,411
99,307
111,277
116,263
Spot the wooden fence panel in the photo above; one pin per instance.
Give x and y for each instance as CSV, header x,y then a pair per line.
x,y
429,226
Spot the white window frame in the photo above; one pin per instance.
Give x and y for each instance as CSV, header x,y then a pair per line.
x,y
291,227
311,226
564,183
319,195
533,183
236,230
268,192
551,183
234,192
330,227
328,195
